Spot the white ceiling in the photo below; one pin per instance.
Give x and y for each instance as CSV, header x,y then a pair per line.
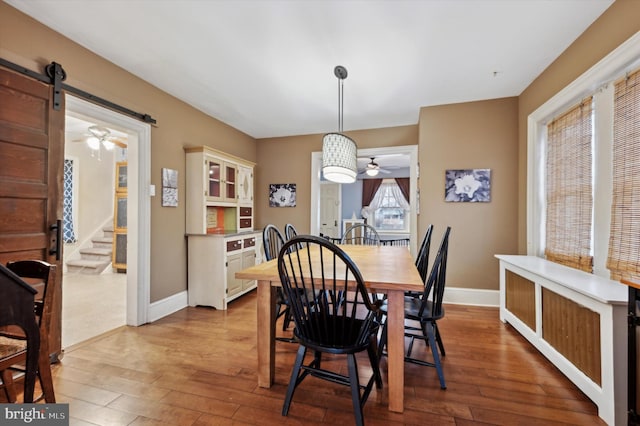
x,y
265,67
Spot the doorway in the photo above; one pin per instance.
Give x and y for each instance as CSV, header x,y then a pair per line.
x,y
136,281
93,154
409,150
330,209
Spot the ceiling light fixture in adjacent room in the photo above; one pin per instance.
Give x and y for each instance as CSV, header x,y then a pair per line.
x,y
339,161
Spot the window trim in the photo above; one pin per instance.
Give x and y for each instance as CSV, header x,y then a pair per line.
x,y
597,81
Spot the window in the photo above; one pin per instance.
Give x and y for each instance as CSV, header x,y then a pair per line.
x,y
388,210
597,82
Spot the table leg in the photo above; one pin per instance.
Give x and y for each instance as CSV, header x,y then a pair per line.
x,y
395,350
266,334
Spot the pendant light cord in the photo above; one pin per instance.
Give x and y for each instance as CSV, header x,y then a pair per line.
x,y
340,103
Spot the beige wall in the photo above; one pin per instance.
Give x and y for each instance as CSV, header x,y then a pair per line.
x,y
474,135
288,160
493,135
32,45
617,24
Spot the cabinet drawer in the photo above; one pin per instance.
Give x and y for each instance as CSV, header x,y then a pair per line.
x,y
249,242
245,223
234,245
245,211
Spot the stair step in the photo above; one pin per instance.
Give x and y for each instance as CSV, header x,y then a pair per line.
x,y
97,251
86,266
102,242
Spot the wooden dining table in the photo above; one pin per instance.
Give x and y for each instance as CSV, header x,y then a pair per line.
x,y
385,269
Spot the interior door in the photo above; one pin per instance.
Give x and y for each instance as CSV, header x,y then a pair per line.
x,y
330,209
31,171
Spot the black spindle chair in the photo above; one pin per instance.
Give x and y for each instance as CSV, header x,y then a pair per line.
x,y
326,322
427,310
272,242
362,234
290,231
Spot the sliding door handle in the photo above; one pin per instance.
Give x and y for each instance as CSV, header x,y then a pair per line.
x,y
56,239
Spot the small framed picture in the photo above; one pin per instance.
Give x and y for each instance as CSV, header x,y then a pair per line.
x,y
169,188
467,186
282,195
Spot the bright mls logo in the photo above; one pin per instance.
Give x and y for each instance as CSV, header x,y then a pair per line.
x,y
35,414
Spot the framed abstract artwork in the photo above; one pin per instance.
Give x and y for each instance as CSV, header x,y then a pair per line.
x,y
169,188
467,186
282,195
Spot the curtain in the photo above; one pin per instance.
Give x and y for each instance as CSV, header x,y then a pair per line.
x,y
376,202
369,189
569,192
623,259
403,183
68,233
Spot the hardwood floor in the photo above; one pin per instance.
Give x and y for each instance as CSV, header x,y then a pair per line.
x,y
198,367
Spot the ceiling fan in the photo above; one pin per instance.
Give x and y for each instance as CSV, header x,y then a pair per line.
x,y
99,136
372,168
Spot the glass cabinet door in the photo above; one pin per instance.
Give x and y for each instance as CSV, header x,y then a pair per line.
x,y
230,181
215,187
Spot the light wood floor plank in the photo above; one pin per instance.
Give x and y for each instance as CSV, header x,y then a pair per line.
x,y
198,367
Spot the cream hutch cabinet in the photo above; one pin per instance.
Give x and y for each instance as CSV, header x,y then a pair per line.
x,y
219,225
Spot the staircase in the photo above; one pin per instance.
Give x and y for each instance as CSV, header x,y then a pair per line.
x,y
95,259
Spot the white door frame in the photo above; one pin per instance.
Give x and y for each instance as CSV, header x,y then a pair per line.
x,y
138,204
411,150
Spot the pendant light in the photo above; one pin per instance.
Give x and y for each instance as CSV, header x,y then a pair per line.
x,y
339,152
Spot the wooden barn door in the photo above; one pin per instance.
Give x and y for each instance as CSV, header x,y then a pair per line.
x,y
31,168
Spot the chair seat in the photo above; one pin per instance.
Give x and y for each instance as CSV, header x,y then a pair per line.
x,y
10,347
339,335
412,306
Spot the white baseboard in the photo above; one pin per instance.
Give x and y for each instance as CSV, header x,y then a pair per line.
x,y
167,306
453,295
472,296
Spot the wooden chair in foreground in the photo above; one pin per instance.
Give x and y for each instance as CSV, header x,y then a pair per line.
x,y
328,322
16,310
38,273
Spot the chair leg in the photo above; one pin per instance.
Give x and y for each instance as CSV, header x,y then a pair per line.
x,y
430,334
294,381
374,359
9,386
44,374
439,339
287,318
355,389
383,341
